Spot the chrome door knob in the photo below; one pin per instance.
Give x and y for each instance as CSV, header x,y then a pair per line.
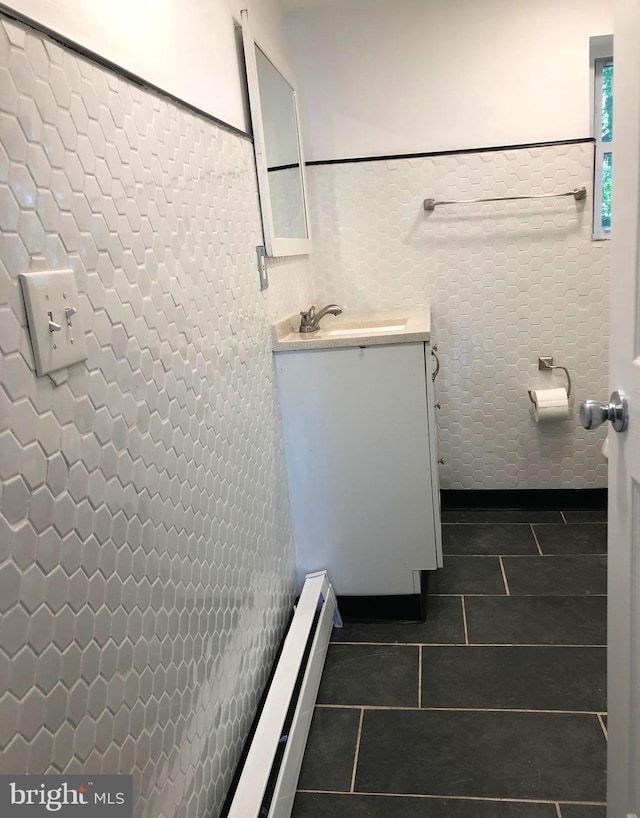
x,y
594,413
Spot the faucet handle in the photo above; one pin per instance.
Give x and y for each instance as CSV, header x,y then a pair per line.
x,y
308,316
307,324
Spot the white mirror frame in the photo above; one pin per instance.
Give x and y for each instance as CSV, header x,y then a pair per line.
x,y
275,245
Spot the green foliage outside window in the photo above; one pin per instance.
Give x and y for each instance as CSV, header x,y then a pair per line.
x,y
606,191
607,102
607,136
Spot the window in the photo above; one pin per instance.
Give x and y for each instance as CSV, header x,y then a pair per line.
x,y
603,132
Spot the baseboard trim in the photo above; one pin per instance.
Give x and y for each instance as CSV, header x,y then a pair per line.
x,y
549,499
266,784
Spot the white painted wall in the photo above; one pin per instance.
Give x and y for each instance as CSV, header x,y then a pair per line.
x,y
383,77
185,47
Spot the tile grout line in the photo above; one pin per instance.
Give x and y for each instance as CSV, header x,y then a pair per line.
x,y
464,621
419,676
357,752
523,523
533,531
558,810
479,522
552,596
604,729
479,644
528,556
453,797
427,709
504,577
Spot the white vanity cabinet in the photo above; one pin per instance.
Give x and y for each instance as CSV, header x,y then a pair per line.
x,y
361,457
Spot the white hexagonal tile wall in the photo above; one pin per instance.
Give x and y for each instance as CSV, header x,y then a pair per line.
x,y
507,282
115,640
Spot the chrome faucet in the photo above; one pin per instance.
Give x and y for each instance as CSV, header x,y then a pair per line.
x,y
311,319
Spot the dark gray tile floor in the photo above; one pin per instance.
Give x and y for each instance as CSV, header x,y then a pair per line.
x,y
324,805
490,754
334,733
444,626
574,538
556,576
489,539
501,516
582,811
536,620
515,678
599,516
469,575
378,675
493,708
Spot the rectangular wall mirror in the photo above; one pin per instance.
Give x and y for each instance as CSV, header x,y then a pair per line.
x,y
278,149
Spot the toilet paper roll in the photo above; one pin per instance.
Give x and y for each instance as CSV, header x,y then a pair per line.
x,y
550,404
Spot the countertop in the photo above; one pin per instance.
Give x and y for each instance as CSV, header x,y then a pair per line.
x,y
354,328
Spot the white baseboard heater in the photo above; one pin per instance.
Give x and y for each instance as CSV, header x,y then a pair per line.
x,y
294,686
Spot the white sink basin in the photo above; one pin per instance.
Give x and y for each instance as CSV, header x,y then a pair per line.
x,y
365,327
354,328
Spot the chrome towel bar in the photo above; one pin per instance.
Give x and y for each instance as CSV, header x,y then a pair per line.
x,y
579,194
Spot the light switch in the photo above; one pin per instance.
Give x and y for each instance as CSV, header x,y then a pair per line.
x,y
55,325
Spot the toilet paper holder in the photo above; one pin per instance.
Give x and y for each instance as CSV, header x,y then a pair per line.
x,y
546,363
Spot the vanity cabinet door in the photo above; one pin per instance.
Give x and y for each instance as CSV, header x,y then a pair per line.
x,y
359,462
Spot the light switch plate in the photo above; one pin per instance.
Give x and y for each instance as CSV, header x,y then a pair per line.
x,y
262,267
55,322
